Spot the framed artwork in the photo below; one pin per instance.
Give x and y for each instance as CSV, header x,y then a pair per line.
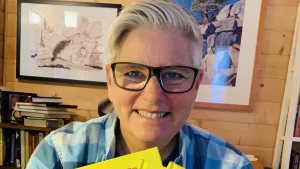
x,y
63,41
232,31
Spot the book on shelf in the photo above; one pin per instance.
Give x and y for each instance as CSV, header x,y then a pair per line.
x,y
40,99
40,122
17,142
294,160
34,107
44,115
45,105
22,145
21,112
18,149
1,147
146,159
42,111
19,146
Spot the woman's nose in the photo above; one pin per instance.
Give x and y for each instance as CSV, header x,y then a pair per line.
x,y
153,90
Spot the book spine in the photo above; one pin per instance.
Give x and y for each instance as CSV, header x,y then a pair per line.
x,y
7,136
54,123
1,147
297,160
297,130
41,137
26,147
12,149
30,144
18,150
44,123
4,147
36,140
292,162
23,142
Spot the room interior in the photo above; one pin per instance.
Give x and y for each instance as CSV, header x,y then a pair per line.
x,y
253,132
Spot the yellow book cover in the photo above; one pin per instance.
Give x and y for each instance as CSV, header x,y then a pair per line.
x,y
147,159
172,165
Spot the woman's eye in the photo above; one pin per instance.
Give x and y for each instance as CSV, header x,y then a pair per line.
x,y
173,75
133,73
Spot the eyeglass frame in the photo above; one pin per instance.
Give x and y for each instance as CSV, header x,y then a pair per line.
x,y
156,72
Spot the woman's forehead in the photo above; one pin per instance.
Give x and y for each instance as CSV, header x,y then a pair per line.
x,y
160,47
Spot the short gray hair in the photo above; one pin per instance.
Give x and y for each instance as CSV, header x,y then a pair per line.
x,y
153,14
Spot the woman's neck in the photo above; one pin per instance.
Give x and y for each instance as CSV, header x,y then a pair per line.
x,y
130,145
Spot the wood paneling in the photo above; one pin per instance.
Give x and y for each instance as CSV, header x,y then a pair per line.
x,y
2,5
277,42
123,2
281,17
284,2
253,132
265,113
11,51
1,47
2,22
11,23
271,90
2,26
11,6
273,66
244,134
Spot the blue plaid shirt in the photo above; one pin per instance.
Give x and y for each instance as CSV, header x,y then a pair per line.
x,y
78,144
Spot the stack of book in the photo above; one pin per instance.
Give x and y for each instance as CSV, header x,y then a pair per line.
x,y
43,112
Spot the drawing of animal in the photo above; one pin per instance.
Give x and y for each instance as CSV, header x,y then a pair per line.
x,y
59,48
81,54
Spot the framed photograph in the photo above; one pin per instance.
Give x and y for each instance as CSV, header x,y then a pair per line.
x,y
63,41
232,31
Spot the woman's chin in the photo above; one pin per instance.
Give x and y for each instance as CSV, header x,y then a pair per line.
x,y
151,137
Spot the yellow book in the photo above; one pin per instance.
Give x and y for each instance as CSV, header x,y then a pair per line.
x,y
147,159
172,165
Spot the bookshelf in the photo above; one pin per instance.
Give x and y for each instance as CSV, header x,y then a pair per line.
x,y
22,127
285,135
8,167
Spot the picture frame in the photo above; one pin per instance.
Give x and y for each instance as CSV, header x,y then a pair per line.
x,y
63,41
232,34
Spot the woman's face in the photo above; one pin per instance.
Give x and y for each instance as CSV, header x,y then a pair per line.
x,y
160,47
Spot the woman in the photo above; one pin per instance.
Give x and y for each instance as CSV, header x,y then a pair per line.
x,y
152,79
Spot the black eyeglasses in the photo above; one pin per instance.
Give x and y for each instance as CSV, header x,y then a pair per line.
x,y
172,79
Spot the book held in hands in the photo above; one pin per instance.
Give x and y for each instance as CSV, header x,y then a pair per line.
x,y
147,159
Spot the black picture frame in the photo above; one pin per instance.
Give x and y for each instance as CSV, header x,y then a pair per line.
x,y
91,33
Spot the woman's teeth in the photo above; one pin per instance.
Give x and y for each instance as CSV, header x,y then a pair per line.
x,y
151,115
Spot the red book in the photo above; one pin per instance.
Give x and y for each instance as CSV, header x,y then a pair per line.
x,y
297,132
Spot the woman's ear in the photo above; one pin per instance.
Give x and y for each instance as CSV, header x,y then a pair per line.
x,y
108,74
109,80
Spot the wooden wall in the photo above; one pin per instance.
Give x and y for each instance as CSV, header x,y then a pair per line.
x,y
2,21
253,132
